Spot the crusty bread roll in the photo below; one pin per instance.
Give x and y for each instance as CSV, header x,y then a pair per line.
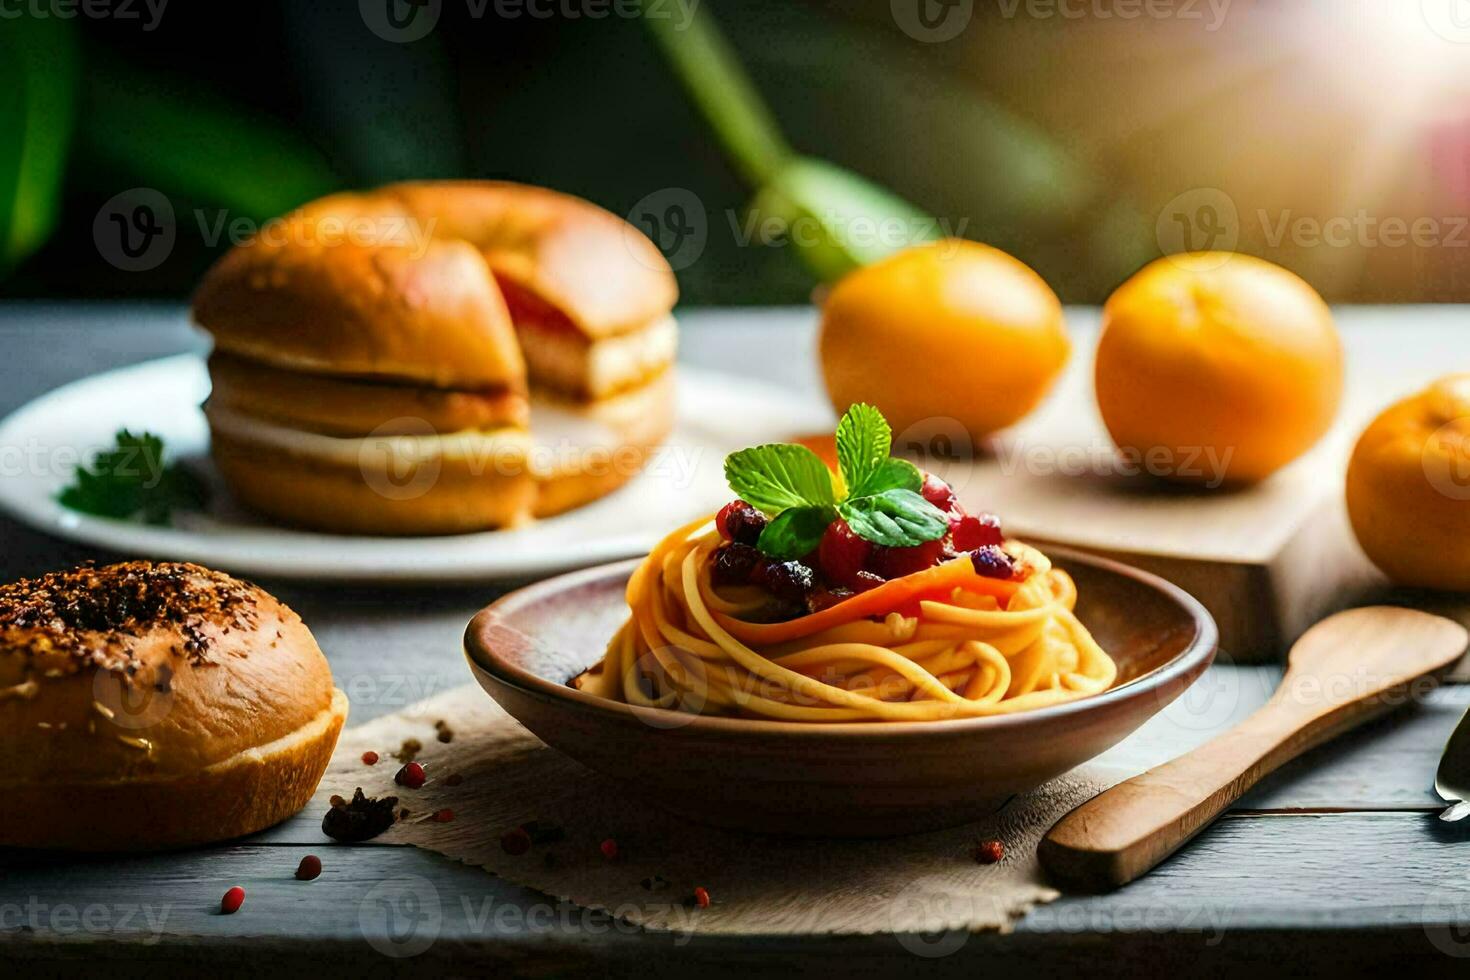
x,y
594,268
149,706
432,311
378,311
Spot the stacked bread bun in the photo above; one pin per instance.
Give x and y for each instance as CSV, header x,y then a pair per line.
x,y
150,706
379,358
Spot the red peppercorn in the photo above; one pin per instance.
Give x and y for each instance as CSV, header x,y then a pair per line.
x,y
516,841
370,758
443,816
609,849
454,779
989,852
411,775
309,868
701,898
234,898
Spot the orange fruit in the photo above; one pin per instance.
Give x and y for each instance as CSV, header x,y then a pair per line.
x,y
946,330
1408,487
1216,368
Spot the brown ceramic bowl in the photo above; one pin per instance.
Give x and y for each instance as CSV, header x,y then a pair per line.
x,y
853,779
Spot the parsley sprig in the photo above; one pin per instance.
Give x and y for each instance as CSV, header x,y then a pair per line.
x,y
792,486
132,480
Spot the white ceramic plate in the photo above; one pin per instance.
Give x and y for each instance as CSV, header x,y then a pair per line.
x,y
41,443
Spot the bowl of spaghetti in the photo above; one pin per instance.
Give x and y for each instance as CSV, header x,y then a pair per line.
x,y
844,652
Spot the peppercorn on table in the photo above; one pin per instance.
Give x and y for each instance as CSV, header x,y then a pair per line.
x,y
1337,860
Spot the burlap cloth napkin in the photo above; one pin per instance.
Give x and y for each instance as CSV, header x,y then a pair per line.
x,y
495,776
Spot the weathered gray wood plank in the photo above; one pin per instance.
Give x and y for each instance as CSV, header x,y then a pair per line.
x,y
1242,876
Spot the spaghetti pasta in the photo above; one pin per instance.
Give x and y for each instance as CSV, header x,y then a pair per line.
x,y
945,642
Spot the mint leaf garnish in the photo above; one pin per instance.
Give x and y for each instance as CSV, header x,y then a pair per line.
x,y
796,532
863,441
132,480
777,477
895,518
791,485
892,474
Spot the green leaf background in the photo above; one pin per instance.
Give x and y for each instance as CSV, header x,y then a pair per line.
x,y
38,95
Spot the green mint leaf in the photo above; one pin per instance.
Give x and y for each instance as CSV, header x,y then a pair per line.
x,y
132,480
863,441
776,477
796,532
894,518
891,474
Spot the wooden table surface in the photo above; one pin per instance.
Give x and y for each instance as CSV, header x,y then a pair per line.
x,y
1336,861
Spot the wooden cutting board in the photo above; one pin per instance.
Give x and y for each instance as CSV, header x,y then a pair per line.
x,y
1267,561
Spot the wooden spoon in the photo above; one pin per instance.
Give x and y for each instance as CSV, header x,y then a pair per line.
x,y
1347,669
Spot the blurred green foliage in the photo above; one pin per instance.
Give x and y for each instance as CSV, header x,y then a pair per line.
x,y
38,94
800,114
68,113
